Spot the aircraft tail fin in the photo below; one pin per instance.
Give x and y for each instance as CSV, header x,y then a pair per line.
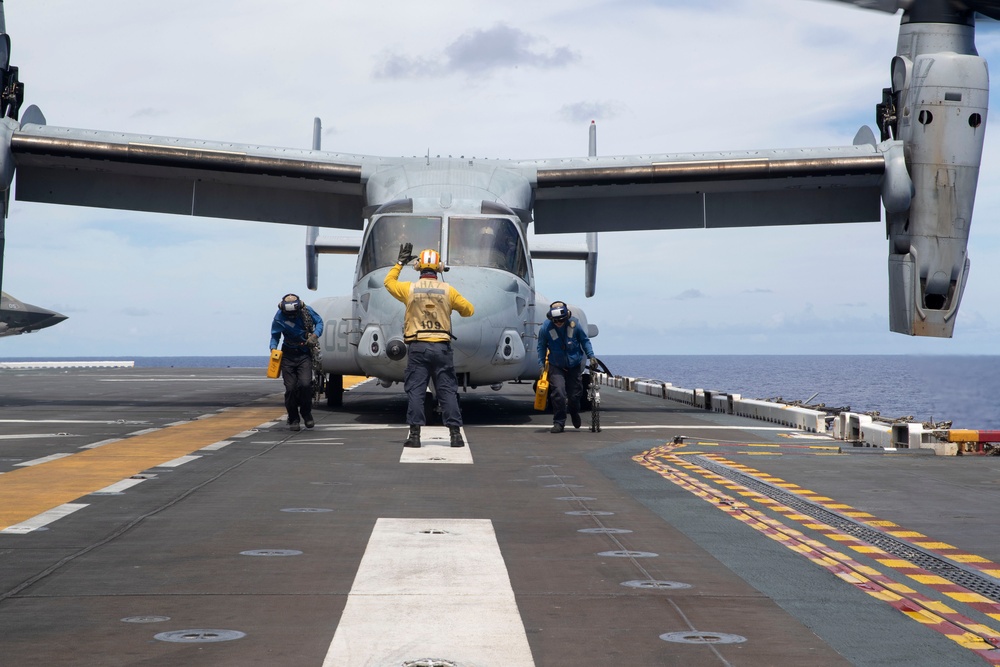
x,y
587,253
590,267
317,245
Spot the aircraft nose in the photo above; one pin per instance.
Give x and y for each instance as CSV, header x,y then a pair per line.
x,y
40,318
468,337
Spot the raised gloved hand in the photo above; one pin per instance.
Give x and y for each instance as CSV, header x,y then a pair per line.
x,y
593,363
405,253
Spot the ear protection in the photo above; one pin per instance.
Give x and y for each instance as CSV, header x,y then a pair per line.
x,y
290,304
558,310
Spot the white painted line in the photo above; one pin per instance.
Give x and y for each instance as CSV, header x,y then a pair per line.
x,y
144,431
43,519
357,427
431,595
29,436
186,421
182,379
178,461
68,421
244,434
435,447
101,443
44,459
647,427
216,446
35,365
118,487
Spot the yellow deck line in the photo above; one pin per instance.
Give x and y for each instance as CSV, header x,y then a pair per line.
x,y
27,492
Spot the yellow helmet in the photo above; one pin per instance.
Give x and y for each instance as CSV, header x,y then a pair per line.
x,y
429,260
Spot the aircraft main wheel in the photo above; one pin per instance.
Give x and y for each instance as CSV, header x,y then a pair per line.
x,y
335,391
585,393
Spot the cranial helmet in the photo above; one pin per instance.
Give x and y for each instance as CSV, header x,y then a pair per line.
x,y
558,310
429,260
290,305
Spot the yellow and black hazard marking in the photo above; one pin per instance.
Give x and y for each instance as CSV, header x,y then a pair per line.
x,y
767,448
691,471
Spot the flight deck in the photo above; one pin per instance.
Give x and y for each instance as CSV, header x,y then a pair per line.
x,y
166,517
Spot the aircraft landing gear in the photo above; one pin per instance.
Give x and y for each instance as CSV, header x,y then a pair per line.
x,y
432,413
335,391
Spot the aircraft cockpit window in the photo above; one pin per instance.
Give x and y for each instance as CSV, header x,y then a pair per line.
x,y
490,242
390,231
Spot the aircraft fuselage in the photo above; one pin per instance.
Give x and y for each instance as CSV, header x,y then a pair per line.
x,y
475,216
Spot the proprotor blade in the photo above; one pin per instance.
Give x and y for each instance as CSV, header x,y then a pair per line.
x,y
990,8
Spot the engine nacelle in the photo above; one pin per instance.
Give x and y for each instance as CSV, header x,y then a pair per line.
x,y
943,99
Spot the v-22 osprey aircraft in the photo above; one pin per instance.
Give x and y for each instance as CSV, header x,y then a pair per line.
x,y
922,170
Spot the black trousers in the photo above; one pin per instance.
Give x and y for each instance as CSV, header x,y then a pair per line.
x,y
565,389
296,373
423,362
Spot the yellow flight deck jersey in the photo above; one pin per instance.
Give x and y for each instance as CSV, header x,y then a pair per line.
x,y
429,304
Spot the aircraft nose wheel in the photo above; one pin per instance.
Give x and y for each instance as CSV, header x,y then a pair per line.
x,y
334,390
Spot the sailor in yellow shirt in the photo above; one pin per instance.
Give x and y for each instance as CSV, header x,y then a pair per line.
x,y
427,333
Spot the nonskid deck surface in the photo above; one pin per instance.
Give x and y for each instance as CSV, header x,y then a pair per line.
x,y
168,517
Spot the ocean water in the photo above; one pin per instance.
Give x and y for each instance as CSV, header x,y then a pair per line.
x,y
962,389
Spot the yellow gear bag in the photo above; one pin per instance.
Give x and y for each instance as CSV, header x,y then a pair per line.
x,y
542,388
274,365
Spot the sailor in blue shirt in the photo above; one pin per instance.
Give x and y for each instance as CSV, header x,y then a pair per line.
x,y
301,328
563,338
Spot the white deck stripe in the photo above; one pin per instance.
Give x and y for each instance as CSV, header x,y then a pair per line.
x,y
216,446
585,428
118,487
179,461
418,595
435,447
101,443
44,459
43,519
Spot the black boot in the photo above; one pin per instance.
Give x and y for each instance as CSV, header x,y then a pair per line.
x,y
413,440
456,436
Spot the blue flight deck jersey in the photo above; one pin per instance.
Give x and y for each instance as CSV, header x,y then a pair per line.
x,y
567,345
294,330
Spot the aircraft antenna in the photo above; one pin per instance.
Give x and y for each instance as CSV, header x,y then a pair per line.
x,y
317,131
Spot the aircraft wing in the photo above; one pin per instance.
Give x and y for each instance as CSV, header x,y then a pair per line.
x,y
188,177
709,190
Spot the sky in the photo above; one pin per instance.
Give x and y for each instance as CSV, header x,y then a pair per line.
x,y
516,80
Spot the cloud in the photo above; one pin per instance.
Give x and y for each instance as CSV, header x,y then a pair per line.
x,y
480,52
689,294
148,112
